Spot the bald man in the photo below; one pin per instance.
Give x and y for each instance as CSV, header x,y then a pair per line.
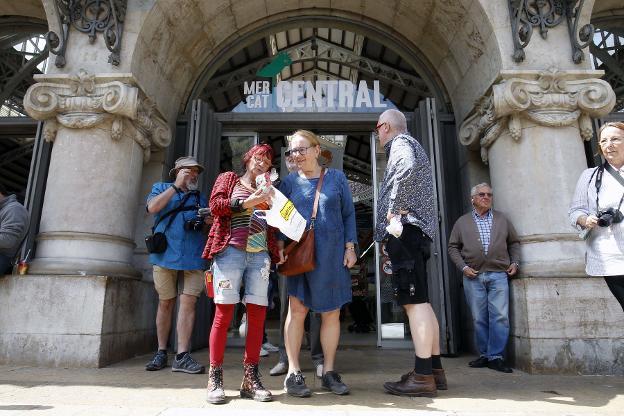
x,y
407,195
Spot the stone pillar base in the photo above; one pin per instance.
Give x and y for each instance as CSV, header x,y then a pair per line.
x,y
75,321
566,325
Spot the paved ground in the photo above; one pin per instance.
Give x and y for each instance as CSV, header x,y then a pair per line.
x,y
126,389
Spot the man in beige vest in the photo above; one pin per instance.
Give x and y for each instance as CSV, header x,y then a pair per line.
x,y
485,247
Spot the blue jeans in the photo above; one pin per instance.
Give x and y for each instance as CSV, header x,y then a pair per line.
x,y
488,299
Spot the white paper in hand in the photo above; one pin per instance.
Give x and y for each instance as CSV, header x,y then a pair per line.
x,y
285,217
395,227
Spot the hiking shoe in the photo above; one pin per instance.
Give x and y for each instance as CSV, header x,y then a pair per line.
x,y
251,387
294,385
270,347
331,381
158,362
214,391
188,365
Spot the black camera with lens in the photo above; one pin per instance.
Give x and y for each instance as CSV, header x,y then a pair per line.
x,y
609,216
197,223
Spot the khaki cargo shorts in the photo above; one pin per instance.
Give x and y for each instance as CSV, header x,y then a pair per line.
x,y
165,281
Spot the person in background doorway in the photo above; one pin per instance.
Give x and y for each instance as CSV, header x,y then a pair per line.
x,y
485,247
597,209
406,194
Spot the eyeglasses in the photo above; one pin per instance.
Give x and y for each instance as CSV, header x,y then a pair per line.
x,y
260,159
378,126
484,194
297,151
610,140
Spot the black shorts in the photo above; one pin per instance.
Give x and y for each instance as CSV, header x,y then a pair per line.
x,y
408,255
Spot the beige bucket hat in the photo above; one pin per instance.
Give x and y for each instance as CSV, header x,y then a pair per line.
x,y
185,162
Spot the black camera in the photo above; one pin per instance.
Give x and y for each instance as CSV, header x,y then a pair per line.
x,y
194,224
197,223
609,216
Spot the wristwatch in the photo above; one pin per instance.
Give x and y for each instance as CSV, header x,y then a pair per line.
x,y
236,205
175,188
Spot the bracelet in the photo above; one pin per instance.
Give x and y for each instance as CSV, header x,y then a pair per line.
x,y
175,188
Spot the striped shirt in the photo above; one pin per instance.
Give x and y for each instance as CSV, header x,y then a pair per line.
x,y
484,225
248,228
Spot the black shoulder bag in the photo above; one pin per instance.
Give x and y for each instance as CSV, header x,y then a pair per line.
x,y
157,242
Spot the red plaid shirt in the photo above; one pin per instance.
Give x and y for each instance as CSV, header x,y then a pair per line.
x,y
220,202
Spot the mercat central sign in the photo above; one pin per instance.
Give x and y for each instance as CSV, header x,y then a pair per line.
x,y
313,95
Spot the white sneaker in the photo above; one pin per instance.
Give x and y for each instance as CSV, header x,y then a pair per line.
x,y
263,352
270,347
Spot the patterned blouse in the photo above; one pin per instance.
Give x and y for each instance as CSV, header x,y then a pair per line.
x,y
407,186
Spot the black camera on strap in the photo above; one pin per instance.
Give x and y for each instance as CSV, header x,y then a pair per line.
x,y
610,215
157,242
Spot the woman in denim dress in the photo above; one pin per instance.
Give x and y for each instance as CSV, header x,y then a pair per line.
x,y
328,287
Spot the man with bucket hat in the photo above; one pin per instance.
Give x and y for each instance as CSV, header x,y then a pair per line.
x,y
180,223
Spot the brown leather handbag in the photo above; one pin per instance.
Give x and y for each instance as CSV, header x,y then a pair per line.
x,y
300,254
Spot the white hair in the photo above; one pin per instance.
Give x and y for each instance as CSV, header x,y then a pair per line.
x,y
395,119
473,190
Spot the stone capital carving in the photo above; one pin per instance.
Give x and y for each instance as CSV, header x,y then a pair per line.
x,y
550,98
85,100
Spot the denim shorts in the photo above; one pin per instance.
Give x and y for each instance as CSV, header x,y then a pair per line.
x,y
234,268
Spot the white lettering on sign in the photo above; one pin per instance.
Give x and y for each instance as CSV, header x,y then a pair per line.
x,y
313,95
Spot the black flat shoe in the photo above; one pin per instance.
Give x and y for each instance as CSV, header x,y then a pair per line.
x,y
479,363
499,365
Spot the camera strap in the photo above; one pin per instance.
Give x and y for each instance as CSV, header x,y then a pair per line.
x,y
173,212
615,174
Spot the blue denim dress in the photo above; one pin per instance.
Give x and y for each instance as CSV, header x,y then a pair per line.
x,y
328,286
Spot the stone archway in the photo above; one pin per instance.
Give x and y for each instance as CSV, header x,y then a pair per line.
x,y
449,41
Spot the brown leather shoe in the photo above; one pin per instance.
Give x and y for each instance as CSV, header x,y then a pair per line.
x,y
438,375
440,378
414,385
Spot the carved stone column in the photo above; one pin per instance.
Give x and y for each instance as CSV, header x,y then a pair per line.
x,y
103,128
530,130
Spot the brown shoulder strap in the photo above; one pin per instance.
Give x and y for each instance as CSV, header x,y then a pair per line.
x,y
318,193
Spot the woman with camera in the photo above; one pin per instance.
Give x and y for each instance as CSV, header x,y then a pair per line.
x,y
241,246
328,287
597,210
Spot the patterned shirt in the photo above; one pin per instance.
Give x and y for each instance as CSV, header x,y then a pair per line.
x,y
484,225
407,186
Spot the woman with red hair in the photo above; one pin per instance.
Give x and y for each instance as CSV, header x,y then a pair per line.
x,y
241,246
